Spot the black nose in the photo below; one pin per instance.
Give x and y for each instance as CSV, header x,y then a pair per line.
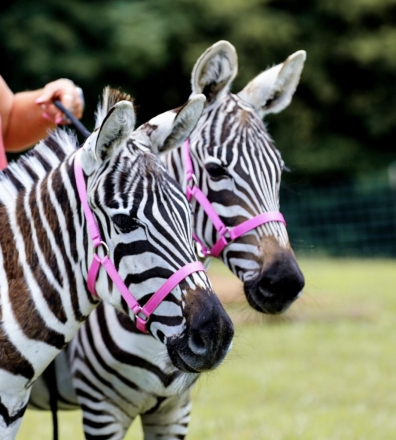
x,y
208,335
281,284
211,332
278,286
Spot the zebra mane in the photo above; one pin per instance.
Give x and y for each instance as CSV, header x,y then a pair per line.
x,y
110,97
36,163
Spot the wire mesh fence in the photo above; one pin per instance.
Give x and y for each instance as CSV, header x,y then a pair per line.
x,y
356,219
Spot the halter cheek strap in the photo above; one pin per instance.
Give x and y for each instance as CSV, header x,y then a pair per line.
x,y
227,235
142,314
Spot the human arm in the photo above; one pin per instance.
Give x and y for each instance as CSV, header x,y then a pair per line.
x,y
27,117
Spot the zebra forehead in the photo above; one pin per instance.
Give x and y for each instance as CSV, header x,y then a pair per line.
x,y
139,158
235,140
132,176
234,135
231,118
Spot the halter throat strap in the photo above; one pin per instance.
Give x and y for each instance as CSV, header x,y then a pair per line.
x,y
226,235
142,314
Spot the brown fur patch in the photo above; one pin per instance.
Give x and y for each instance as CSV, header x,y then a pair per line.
x,y
245,117
271,249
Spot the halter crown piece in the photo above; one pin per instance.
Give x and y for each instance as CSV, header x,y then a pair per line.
x,y
142,314
227,235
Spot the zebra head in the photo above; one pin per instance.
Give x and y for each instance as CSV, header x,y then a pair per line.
x,y
145,220
239,169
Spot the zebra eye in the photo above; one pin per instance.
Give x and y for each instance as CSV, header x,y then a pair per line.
x,y
215,171
125,223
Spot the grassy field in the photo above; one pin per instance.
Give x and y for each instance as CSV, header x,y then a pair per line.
x,y
324,370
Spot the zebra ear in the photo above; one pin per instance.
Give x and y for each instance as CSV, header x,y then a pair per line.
x,y
117,125
214,71
170,129
272,90
184,123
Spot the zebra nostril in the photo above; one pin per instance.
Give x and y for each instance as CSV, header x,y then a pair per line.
x,y
266,287
197,344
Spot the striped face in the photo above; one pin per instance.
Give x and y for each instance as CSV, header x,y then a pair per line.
x,y
239,169
145,220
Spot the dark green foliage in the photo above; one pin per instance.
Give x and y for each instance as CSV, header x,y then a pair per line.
x,y
342,121
342,219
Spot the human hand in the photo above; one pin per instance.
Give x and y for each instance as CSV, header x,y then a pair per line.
x,y
68,94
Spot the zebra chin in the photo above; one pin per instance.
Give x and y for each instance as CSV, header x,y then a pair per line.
x,y
278,285
207,338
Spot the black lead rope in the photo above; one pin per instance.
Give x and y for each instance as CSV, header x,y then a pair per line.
x,y
50,376
80,127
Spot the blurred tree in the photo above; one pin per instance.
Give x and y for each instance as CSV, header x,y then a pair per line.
x,y
342,121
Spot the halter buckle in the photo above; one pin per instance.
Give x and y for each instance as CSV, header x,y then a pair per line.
x,y
141,320
142,316
199,250
226,234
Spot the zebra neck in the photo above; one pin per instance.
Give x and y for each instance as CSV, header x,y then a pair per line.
x,y
41,257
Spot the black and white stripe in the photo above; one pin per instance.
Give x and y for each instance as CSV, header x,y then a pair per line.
x,y
120,374
45,248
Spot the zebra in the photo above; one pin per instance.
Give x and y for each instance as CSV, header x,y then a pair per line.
x,y
64,214
116,374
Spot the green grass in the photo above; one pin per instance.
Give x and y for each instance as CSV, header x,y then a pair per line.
x,y
326,370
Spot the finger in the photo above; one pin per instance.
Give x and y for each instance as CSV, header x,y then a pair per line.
x,y
80,101
68,100
62,119
46,95
47,117
70,115
78,111
59,119
78,105
51,110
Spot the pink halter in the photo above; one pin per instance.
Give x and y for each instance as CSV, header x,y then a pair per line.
x,y
142,314
227,235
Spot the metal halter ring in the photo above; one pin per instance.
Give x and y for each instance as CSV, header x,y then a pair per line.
x,y
192,178
106,248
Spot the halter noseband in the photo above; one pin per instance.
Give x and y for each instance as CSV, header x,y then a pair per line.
x,y
227,235
142,314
